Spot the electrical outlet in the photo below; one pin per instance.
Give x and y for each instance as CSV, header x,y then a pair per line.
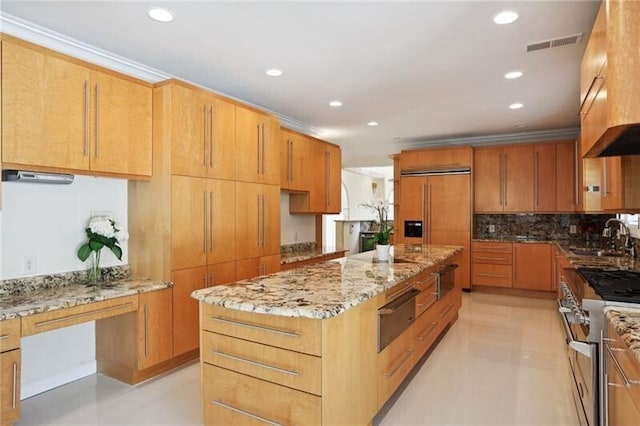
x,y
492,228
572,229
30,264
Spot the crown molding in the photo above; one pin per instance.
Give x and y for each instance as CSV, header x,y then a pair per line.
x,y
497,139
28,31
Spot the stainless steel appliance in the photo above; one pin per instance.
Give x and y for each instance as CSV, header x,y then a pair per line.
x,y
445,279
582,295
413,228
365,237
396,316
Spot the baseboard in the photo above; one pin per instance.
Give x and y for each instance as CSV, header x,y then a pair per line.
x,y
30,389
538,294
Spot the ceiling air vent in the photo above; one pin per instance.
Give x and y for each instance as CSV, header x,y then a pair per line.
x,y
556,42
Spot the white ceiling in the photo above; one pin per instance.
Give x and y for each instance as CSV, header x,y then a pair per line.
x,y
424,70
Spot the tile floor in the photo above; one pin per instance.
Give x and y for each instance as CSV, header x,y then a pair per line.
x,y
502,363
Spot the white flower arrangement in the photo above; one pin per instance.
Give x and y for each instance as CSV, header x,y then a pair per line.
x,y
380,206
102,231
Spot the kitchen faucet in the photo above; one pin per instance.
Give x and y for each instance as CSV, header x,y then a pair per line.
x,y
622,230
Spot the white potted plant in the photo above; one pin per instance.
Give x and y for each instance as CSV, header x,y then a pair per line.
x,y
102,232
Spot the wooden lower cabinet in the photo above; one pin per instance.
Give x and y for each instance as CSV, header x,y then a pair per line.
x,y
9,387
491,264
394,363
250,268
132,346
231,398
186,331
622,375
532,266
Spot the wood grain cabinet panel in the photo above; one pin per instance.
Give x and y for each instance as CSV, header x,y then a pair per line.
x,y
257,220
10,387
568,177
621,375
258,142
620,191
532,266
394,364
155,326
9,334
294,161
233,398
205,127
544,178
60,113
488,180
518,179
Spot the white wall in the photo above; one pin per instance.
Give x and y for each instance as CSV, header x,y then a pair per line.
x,y
295,228
360,191
47,223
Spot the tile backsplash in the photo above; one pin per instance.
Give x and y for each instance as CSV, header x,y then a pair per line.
x,y
541,226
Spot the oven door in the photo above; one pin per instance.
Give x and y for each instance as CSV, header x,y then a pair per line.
x,y
583,362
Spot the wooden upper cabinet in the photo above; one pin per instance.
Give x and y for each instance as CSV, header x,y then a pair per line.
x,y
203,134
257,220
609,88
61,114
202,221
568,179
532,266
122,112
620,177
435,158
294,161
544,178
258,147
334,179
504,179
45,109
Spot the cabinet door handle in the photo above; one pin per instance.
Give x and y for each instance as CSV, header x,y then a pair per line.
x,y
443,314
428,331
287,333
5,336
424,209
404,359
537,176
258,220
255,363
211,220
428,231
258,145
264,234
605,178
97,120
326,182
211,138
246,413
492,275
586,96
204,221
14,390
204,135
146,332
291,161
263,143
627,382
490,259
213,279
205,281
87,113
83,314
506,173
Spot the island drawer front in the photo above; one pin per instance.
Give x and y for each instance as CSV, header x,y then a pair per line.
x,y
491,247
394,363
426,299
493,275
232,398
426,330
492,258
298,334
425,280
288,368
9,334
66,317
625,360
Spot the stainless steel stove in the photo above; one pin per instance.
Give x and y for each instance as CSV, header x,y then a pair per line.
x,y
582,296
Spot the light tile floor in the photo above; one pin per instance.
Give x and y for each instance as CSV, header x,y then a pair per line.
x,y
502,363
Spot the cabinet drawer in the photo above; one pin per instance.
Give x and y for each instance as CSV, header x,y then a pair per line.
x,y
492,258
231,398
298,334
292,369
424,280
447,308
66,317
426,330
493,275
481,246
394,363
622,358
9,334
426,299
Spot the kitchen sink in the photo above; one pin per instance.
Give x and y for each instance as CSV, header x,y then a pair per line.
x,y
596,252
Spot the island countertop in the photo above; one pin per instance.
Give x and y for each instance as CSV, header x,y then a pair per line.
x,y
326,289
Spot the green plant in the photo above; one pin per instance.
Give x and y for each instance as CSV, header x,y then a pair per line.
x,y
382,237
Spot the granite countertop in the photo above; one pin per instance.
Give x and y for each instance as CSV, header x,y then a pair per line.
x,y
603,262
514,239
36,297
626,322
311,253
326,289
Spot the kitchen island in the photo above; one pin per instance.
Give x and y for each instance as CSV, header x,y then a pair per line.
x,y
302,346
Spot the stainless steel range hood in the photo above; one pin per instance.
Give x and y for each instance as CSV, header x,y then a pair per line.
x,y
36,177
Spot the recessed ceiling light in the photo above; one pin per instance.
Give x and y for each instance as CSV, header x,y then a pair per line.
x,y
335,103
372,123
516,105
396,138
505,17
513,74
160,14
273,72
518,125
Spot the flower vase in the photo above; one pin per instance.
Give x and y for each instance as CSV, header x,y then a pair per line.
x,y
95,273
382,252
